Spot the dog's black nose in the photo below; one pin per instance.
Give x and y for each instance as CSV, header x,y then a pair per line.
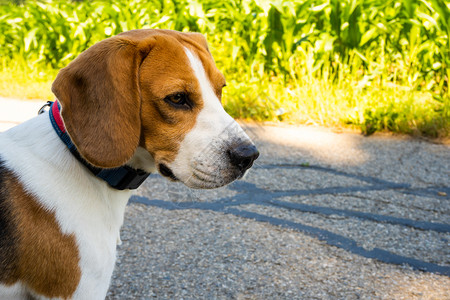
x,y
243,156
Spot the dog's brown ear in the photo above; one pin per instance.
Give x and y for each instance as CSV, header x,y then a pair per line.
x,y
100,99
197,37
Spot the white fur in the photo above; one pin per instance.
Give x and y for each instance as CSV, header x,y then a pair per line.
x,y
15,291
204,144
143,160
83,204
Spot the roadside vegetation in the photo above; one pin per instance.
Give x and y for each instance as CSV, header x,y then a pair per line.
x,y
379,65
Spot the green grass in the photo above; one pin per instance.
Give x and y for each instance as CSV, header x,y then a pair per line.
x,y
18,80
375,65
320,102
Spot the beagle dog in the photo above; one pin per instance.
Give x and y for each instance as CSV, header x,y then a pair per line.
x,y
140,102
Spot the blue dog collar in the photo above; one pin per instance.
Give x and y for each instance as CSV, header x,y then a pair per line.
x,y
120,178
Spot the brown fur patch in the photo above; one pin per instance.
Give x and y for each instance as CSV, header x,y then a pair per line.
x,y
112,95
166,71
40,256
100,101
8,232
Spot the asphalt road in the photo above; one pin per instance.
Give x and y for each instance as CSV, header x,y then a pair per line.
x,y
322,215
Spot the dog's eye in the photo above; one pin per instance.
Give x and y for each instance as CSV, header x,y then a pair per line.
x,y
179,100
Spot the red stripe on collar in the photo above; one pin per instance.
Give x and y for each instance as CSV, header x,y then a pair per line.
x,y
57,116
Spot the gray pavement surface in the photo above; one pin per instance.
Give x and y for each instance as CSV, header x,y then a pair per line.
x,y
322,215
14,112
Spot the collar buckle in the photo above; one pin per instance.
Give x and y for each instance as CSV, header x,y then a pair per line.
x,y
43,109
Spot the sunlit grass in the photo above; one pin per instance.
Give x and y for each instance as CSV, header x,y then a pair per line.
x,y
343,99
18,80
320,102
312,102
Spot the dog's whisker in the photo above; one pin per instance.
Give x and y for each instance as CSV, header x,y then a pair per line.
x,y
203,179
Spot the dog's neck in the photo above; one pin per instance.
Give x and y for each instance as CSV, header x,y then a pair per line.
x,y
120,178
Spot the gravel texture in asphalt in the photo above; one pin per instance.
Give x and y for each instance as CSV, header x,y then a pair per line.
x,y
321,215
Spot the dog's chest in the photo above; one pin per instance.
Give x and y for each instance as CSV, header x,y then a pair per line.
x,y
83,206
97,240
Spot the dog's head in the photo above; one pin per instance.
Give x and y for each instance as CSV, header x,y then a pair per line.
x,y
152,98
